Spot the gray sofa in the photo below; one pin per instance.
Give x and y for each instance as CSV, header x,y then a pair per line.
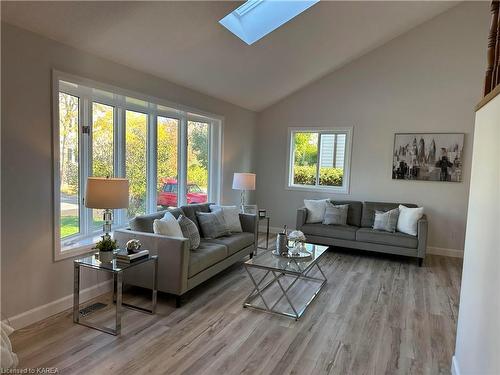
x,y
179,268
359,232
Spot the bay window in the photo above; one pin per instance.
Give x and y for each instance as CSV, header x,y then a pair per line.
x,y
169,154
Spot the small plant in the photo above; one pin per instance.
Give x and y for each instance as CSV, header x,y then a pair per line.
x,y
106,244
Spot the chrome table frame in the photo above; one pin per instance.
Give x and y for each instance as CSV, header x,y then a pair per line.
x,y
117,295
260,287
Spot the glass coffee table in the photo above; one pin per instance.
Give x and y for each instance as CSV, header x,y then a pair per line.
x,y
285,286
116,269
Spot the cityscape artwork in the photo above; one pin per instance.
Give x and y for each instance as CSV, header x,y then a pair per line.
x,y
428,156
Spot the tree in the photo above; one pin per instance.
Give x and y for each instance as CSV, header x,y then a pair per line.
x,y
306,149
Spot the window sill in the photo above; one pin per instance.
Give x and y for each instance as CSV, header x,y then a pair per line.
x,y
319,189
80,247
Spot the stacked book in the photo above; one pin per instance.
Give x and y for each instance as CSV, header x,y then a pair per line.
x,y
124,257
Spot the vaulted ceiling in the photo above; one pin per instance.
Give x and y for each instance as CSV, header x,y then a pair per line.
x,y
183,42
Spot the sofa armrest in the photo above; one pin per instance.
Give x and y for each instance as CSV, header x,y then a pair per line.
x,y
173,260
301,217
250,224
422,229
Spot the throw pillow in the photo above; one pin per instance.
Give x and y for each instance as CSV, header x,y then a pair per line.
x,y
167,226
386,221
315,210
335,214
408,219
212,224
231,216
189,231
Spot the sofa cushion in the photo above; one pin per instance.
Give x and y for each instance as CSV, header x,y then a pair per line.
x,y
386,238
235,242
336,214
144,223
190,211
206,255
344,232
353,213
369,208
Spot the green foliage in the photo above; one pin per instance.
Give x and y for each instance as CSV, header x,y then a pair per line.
x,y
306,148
306,175
106,244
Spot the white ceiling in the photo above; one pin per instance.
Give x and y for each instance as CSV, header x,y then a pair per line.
x,y
184,43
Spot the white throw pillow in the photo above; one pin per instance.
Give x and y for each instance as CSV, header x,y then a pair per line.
x,y
231,217
408,219
167,226
315,210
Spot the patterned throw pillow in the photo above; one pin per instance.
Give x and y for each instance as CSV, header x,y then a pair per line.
x,y
335,214
189,231
386,221
212,224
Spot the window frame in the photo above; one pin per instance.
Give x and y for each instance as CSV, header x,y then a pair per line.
x,y
345,188
88,92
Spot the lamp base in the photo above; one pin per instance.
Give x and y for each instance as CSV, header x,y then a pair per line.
x,y
108,220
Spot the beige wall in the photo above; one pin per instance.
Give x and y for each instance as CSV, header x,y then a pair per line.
x,y
427,80
30,278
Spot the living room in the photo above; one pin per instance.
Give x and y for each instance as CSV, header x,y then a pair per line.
x,y
368,115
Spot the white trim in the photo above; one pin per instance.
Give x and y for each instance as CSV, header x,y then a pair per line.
x,y
453,253
42,312
455,370
345,189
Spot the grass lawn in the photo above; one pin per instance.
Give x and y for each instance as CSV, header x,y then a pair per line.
x,y
69,226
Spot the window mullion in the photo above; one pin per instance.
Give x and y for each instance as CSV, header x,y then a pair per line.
x,y
318,160
152,163
121,215
85,165
182,162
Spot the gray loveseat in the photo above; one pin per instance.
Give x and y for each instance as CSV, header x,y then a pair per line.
x,y
179,268
359,232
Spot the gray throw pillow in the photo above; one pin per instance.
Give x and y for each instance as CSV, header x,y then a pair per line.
x,y
335,214
212,224
386,221
189,231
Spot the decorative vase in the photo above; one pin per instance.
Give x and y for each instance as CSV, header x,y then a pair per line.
x,y
105,256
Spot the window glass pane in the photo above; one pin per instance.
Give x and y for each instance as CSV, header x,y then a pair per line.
x,y
68,164
135,161
102,148
167,162
197,162
332,152
305,158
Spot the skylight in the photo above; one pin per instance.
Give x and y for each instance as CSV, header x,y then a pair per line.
x,y
254,19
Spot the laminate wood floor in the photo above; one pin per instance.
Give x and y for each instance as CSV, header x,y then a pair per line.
x,y
377,315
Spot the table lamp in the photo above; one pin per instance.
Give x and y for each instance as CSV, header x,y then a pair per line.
x,y
108,194
243,182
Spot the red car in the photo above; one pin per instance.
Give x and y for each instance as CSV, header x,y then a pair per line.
x,y
167,197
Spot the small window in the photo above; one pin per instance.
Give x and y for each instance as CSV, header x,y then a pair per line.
x,y
319,159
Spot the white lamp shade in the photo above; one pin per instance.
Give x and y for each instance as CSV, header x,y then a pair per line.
x,y
106,193
244,181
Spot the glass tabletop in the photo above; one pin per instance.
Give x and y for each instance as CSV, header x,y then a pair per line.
x,y
294,265
92,261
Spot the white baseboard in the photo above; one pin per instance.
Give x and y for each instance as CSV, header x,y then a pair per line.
x,y
454,366
454,253
41,312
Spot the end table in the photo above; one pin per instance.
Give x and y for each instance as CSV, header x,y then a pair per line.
x,y
267,219
116,269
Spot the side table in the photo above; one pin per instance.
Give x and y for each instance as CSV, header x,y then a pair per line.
x,y
116,269
267,219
